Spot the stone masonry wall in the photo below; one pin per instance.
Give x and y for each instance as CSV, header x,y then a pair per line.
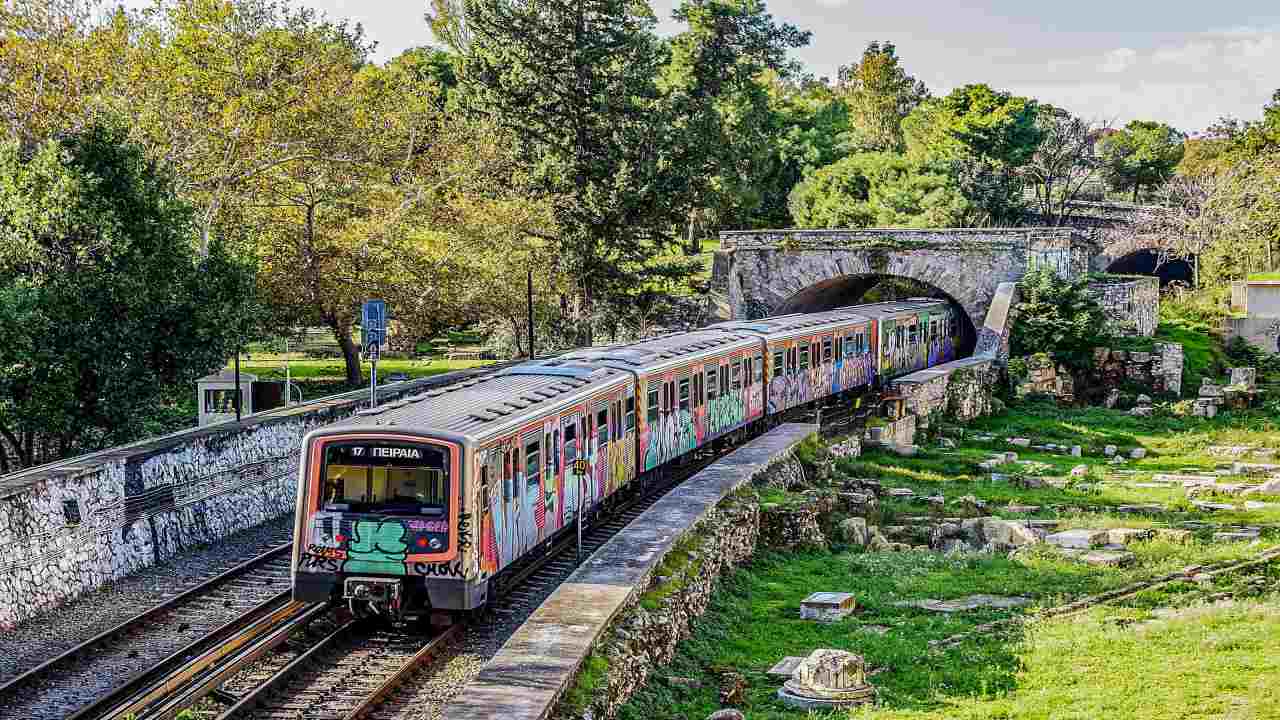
x,y
1131,304
1158,372
645,635
71,527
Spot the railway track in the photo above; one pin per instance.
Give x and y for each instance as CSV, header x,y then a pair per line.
x,y
281,660
61,687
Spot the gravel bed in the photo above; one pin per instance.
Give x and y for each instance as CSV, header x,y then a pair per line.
x,y
62,628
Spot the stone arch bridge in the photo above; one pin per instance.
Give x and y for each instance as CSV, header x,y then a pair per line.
x,y
768,272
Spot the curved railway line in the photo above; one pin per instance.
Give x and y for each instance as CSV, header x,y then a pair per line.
x,y
124,654
238,647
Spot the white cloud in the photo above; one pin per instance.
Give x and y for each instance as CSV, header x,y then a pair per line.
x,y
1118,60
1188,82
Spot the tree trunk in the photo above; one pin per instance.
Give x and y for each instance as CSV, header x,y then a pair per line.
x,y
1136,186
350,353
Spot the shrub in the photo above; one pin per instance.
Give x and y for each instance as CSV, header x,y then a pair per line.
x,y
1058,317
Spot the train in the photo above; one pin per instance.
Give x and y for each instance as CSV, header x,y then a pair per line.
x,y
418,506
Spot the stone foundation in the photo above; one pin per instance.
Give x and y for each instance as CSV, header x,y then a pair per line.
x,y
1158,372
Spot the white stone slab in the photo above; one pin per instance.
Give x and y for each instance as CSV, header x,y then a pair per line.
x,y
1080,538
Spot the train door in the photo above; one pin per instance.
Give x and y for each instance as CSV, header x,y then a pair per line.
x,y
602,434
570,485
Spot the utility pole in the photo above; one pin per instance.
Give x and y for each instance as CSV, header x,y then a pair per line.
x,y
237,382
529,297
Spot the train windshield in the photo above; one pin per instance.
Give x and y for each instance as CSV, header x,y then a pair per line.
x,y
389,478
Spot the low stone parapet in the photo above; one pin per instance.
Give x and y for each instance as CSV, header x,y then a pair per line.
x,y
633,600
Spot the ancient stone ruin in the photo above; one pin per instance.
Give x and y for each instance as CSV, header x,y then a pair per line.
x,y
828,679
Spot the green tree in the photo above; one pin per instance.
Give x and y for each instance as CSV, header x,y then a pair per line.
x,y
983,137
1143,154
105,307
877,190
1057,316
1063,163
879,94
712,86
574,83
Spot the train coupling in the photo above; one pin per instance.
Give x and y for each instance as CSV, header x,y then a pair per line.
x,y
367,597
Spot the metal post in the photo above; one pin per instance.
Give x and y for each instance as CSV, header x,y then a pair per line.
x,y
529,296
288,380
237,383
373,383
580,490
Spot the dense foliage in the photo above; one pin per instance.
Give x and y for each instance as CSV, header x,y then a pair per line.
x,y
1058,317
104,304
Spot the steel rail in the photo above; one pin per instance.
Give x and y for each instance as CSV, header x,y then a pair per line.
x,y
247,701
123,627
429,651
199,677
216,637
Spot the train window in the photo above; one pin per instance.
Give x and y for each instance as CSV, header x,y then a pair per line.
x,y
759,368
914,335
507,474
713,387
698,381
651,410
532,462
684,394
746,372
804,358
400,478
826,350
724,379
631,414
736,382
602,428
778,369
839,347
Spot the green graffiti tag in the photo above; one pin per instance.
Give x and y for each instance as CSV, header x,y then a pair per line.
x,y
377,547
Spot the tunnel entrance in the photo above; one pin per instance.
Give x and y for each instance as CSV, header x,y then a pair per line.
x,y
1147,262
864,289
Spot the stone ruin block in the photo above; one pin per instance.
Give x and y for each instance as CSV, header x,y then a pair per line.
x,y
1124,536
1079,539
827,606
1112,558
828,679
1245,378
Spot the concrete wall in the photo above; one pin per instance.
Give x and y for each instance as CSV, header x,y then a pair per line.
x,y
1132,304
72,526
1262,299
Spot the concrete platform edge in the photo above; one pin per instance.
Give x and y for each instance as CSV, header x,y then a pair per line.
x,y
532,670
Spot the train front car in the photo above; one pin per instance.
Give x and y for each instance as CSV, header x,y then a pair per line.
x,y
375,508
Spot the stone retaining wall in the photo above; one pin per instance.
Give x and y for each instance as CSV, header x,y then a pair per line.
x,y
644,635
1131,304
73,526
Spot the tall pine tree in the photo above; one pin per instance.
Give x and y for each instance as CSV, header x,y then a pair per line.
x,y
574,81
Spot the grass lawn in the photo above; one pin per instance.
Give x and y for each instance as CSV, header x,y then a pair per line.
x,y
1265,276
271,368
1178,651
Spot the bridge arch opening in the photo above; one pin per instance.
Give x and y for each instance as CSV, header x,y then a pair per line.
x,y
861,289
1148,262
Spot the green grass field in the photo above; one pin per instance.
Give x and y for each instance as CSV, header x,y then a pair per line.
x,y
1177,651
272,368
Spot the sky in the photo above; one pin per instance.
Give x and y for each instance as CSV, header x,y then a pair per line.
x,y
1184,63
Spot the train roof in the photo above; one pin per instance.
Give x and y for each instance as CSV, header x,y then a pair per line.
x,y
654,354
477,408
898,307
796,323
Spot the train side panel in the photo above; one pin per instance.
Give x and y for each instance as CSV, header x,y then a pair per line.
x,y
688,406
529,488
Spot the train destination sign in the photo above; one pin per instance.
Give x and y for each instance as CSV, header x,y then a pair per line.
x,y
388,454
